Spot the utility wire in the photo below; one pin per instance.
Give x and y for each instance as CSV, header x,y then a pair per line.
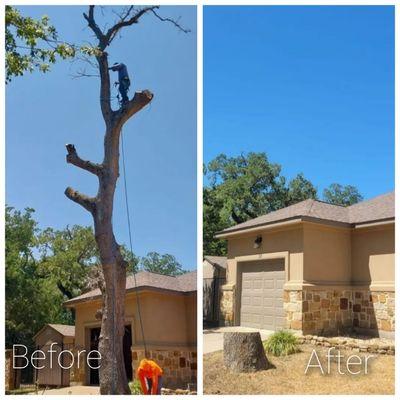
x,y
130,243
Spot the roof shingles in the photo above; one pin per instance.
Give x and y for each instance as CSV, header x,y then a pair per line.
x,y
376,209
183,283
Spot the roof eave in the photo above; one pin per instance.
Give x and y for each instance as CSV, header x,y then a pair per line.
x,y
378,222
72,303
259,227
299,219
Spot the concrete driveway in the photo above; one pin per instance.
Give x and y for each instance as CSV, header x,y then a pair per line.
x,y
213,339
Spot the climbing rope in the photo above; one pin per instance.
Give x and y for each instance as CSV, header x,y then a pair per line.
x,y
130,243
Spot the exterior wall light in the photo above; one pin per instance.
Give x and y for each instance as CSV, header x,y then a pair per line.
x,y
257,242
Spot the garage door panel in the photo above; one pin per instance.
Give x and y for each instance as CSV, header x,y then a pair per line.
x,y
280,283
268,293
262,295
247,284
268,284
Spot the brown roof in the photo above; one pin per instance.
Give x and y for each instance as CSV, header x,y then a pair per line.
x,y
184,283
64,330
217,261
377,209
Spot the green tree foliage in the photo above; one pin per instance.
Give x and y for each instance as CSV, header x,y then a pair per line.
x,y
165,264
31,301
46,267
244,187
342,195
33,44
67,258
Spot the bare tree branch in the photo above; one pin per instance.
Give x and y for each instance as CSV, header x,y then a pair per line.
x,y
105,92
89,203
172,21
73,158
95,28
139,101
134,19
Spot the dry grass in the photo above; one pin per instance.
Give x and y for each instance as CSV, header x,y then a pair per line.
x,y
287,376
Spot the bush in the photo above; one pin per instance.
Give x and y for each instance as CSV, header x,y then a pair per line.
x,y
135,387
281,343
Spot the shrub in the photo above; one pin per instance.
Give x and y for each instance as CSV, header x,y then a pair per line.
x,y
135,387
281,343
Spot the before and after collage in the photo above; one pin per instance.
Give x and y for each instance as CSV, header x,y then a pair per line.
x,y
199,199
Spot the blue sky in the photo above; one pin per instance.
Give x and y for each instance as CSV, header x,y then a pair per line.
x,y
43,112
313,87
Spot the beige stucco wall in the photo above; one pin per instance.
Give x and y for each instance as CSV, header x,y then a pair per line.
x,y
373,259
208,270
289,240
327,254
168,320
324,255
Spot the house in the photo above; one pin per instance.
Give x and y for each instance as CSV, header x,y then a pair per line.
x,y
168,308
314,267
214,276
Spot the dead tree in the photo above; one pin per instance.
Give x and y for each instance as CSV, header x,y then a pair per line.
x,y
113,378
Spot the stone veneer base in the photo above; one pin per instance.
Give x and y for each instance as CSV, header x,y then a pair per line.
x,y
371,345
329,311
179,366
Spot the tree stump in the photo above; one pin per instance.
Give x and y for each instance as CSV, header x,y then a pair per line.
x,y
244,352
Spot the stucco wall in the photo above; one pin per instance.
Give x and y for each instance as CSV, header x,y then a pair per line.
x,y
169,322
288,240
165,319
208,270
373,258
327,254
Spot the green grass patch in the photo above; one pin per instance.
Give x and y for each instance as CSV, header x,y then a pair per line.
x,y
281,343
135,387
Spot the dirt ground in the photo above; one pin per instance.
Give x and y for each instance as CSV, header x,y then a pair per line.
x,y
287,375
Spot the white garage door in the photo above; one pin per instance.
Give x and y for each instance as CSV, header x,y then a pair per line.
x,y
262,294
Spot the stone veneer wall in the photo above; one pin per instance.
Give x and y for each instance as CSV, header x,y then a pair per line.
x,y
179,366
227,306
331,311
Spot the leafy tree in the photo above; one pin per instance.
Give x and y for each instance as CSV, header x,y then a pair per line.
x,y
31,44
165,264
300,189
213,222
244,187
31,301
342,195
67,257
247,186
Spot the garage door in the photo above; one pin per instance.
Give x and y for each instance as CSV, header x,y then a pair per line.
x,y
262,294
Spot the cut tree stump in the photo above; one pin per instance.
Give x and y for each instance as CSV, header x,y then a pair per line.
x,y
244,352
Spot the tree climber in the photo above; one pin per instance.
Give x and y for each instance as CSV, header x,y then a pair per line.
x,y
150,376
123,80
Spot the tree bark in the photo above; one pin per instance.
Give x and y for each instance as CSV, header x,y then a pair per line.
x,y
244,352
113,378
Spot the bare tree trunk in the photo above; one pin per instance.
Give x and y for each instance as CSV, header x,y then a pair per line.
x,y
244,352
113,378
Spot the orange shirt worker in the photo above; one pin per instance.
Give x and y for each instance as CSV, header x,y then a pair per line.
x,y
150,376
